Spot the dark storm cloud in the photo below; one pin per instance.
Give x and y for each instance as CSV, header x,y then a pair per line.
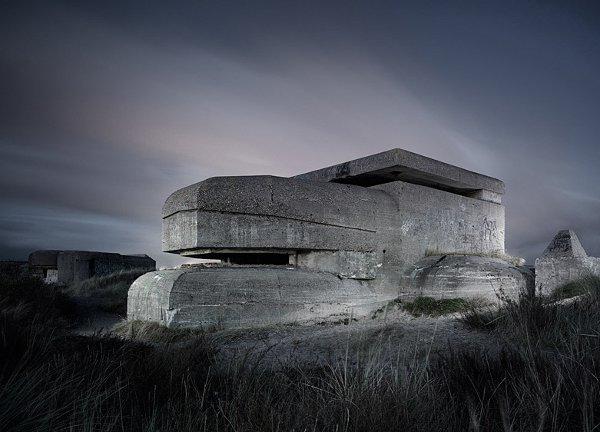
x,y
526,86
26,227
107,107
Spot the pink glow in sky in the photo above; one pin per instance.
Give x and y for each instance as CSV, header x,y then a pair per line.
x,y
108,107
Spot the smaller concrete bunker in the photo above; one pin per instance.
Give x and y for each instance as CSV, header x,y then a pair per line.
x,y
563,261
65,266
340,240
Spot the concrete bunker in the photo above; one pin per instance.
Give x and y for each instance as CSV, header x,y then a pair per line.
x,y
65,267
343,239
564,260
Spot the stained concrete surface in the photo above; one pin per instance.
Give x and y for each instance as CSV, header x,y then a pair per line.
x,y
245,296
452,276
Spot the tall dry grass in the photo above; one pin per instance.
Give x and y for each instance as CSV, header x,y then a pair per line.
x,y
108,292
545,378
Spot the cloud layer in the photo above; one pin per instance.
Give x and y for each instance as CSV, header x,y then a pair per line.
x,y
107,108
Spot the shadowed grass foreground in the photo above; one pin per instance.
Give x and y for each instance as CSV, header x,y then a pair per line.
x,y
109,291
545,379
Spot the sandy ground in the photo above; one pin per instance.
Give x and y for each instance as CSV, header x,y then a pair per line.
x,y
397,338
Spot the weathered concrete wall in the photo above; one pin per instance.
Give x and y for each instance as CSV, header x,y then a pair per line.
x,y
452,276
563,261
266,212
43,258
245,296
344,264
431,221
44,264
74,266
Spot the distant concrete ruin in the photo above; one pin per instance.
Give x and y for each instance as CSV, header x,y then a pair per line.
x,y
65,267
14,269
563,261
340,240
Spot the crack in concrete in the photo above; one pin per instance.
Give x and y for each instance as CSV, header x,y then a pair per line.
x,y
278,217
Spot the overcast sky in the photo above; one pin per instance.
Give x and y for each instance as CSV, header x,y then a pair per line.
x,y
108,107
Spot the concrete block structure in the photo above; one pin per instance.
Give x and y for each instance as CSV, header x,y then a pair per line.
x,y
339,240
563,261
65,267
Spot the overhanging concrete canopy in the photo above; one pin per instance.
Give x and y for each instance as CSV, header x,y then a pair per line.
x,y
398,164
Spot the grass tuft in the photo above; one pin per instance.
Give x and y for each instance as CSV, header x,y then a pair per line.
x,y
542,319
435,307
28,299
152,332
587,285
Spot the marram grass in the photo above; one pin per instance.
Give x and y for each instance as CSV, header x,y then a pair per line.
x,y
544,378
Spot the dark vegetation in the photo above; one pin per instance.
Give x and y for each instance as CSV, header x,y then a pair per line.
x,y
587,285
545,377
107,292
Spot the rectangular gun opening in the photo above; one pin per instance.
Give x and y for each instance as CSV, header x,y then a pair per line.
x,y
246,257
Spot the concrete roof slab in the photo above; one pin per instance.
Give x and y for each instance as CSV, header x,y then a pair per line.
x,y
398,164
